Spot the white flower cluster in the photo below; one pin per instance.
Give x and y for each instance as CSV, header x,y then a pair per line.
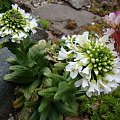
x,y
93,62
16,24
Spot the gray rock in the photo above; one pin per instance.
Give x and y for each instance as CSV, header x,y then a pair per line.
x,y
59,15
78,3
24,4
6,88
39,35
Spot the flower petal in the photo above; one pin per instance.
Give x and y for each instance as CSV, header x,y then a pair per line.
x,y
84,83
78,83
73,74
89,94
86,70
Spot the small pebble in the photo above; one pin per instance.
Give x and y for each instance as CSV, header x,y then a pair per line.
x,y
11,117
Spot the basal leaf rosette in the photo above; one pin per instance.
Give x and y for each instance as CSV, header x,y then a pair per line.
x,y
17,24
92,62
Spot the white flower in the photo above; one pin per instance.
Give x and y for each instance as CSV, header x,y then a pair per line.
x,y
15,6
78,83
79,56
22,35
109,31
84,75
84,61
104,87
117,63
109,77
1,14
70,41
26,28
95,61
15,36
111,46
104,39
21,11
73,68
82,39
84,83
73,74
33,24
113,85
64,38
63,54
91,89
86,70
17,24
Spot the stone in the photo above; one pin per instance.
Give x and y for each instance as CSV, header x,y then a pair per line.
x,y
6,88
60,15
40,34
78,3
24,4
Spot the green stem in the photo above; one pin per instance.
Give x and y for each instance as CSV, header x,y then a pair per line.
x,y
24,44
99,105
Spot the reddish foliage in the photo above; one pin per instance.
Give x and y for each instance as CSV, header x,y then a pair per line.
x,y
116,37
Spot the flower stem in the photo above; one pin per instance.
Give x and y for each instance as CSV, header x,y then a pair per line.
x,y
99,105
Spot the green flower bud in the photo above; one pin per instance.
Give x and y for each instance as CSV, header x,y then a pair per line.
x,y
97,60
93,60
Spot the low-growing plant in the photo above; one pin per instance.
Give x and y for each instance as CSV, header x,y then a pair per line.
x,y
44,23
60,79
50,94
110,106
103,7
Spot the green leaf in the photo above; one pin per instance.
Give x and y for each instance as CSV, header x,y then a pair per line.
x,y
46,71
43,116
57,78
60,66
37,50
27,44
34,85
55,115
21,71
18,79
79,93
34,114
27,94
66,110
48,82
43,105
74,104
64,91
46,113
48,92
12,60
37,54
17,68
62,87
37,117
31,104
44,23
